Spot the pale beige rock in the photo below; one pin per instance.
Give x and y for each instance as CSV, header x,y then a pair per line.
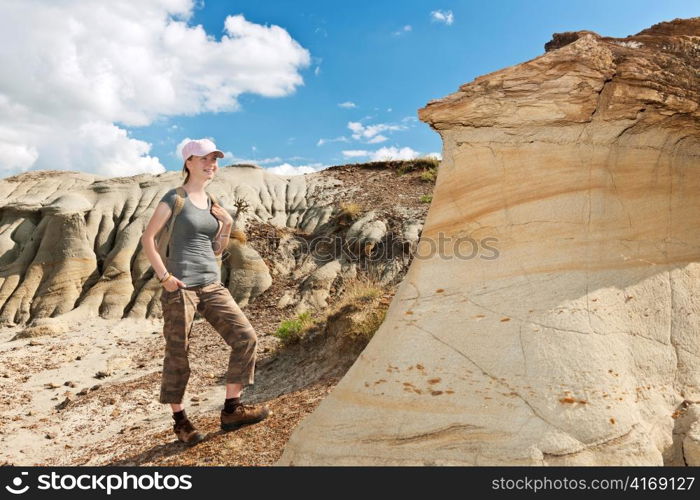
x,y
691,445
315,290
579,341
248,275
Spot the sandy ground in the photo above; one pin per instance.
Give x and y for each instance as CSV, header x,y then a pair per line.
x,y
90,396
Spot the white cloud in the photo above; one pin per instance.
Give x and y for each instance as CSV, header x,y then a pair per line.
x,y
317,70
392,153
354,153
442,16
377,139
437,156
347,104
72,82
287,169
321,142
407,28
369,132
16,158
384,154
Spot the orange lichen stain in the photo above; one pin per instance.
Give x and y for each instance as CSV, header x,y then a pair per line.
x,y
417,391
503,320
380,381
486,397
582,401
594,300
612,420
448,391
621,399
435,393
439,290
567,400
408,384
420,367
678,413
434,380
408,312
479,316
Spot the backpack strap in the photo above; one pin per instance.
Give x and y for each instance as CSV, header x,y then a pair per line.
x,y
179,202
163,238
214,200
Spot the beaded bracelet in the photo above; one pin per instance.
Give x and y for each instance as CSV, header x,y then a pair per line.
x,y
165,277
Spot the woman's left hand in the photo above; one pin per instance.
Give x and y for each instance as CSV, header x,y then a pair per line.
x,y
220,213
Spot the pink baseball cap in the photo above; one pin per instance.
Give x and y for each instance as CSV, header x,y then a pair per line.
x,y
199,147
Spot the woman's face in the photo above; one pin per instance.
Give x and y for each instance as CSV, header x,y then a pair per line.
x,y
203,166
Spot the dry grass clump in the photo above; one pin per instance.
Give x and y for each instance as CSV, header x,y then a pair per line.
x,y
424,163
350,210
357,314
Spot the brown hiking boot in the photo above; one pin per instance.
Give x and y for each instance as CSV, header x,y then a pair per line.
x,y
185,432
243,415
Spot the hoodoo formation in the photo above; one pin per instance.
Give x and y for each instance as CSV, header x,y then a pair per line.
x,y
577,342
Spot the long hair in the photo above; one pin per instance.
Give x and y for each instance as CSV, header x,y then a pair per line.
x,y
187,171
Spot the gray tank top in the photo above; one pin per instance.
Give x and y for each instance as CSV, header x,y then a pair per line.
x,y
191,258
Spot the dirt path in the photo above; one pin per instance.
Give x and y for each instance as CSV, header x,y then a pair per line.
x,y
89,396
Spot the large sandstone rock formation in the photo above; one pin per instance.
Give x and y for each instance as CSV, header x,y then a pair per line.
x,y
580,342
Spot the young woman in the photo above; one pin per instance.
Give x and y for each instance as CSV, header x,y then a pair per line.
x,y
191,280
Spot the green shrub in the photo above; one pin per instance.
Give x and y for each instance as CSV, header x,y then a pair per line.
x,y
292,330
426,198
428,175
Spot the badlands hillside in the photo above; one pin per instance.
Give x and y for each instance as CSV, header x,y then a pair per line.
x,y
81,342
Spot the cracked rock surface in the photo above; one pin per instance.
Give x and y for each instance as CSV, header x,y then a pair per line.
x,y
577,340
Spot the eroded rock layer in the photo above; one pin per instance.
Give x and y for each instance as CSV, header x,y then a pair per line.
x,y
70,242
559,322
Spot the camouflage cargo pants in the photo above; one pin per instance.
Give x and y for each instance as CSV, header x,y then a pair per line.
x,y
215,304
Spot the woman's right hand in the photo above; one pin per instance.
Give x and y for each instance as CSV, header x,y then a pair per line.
x,y
173,284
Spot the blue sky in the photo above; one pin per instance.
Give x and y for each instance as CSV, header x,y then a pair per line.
x,y
387,58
